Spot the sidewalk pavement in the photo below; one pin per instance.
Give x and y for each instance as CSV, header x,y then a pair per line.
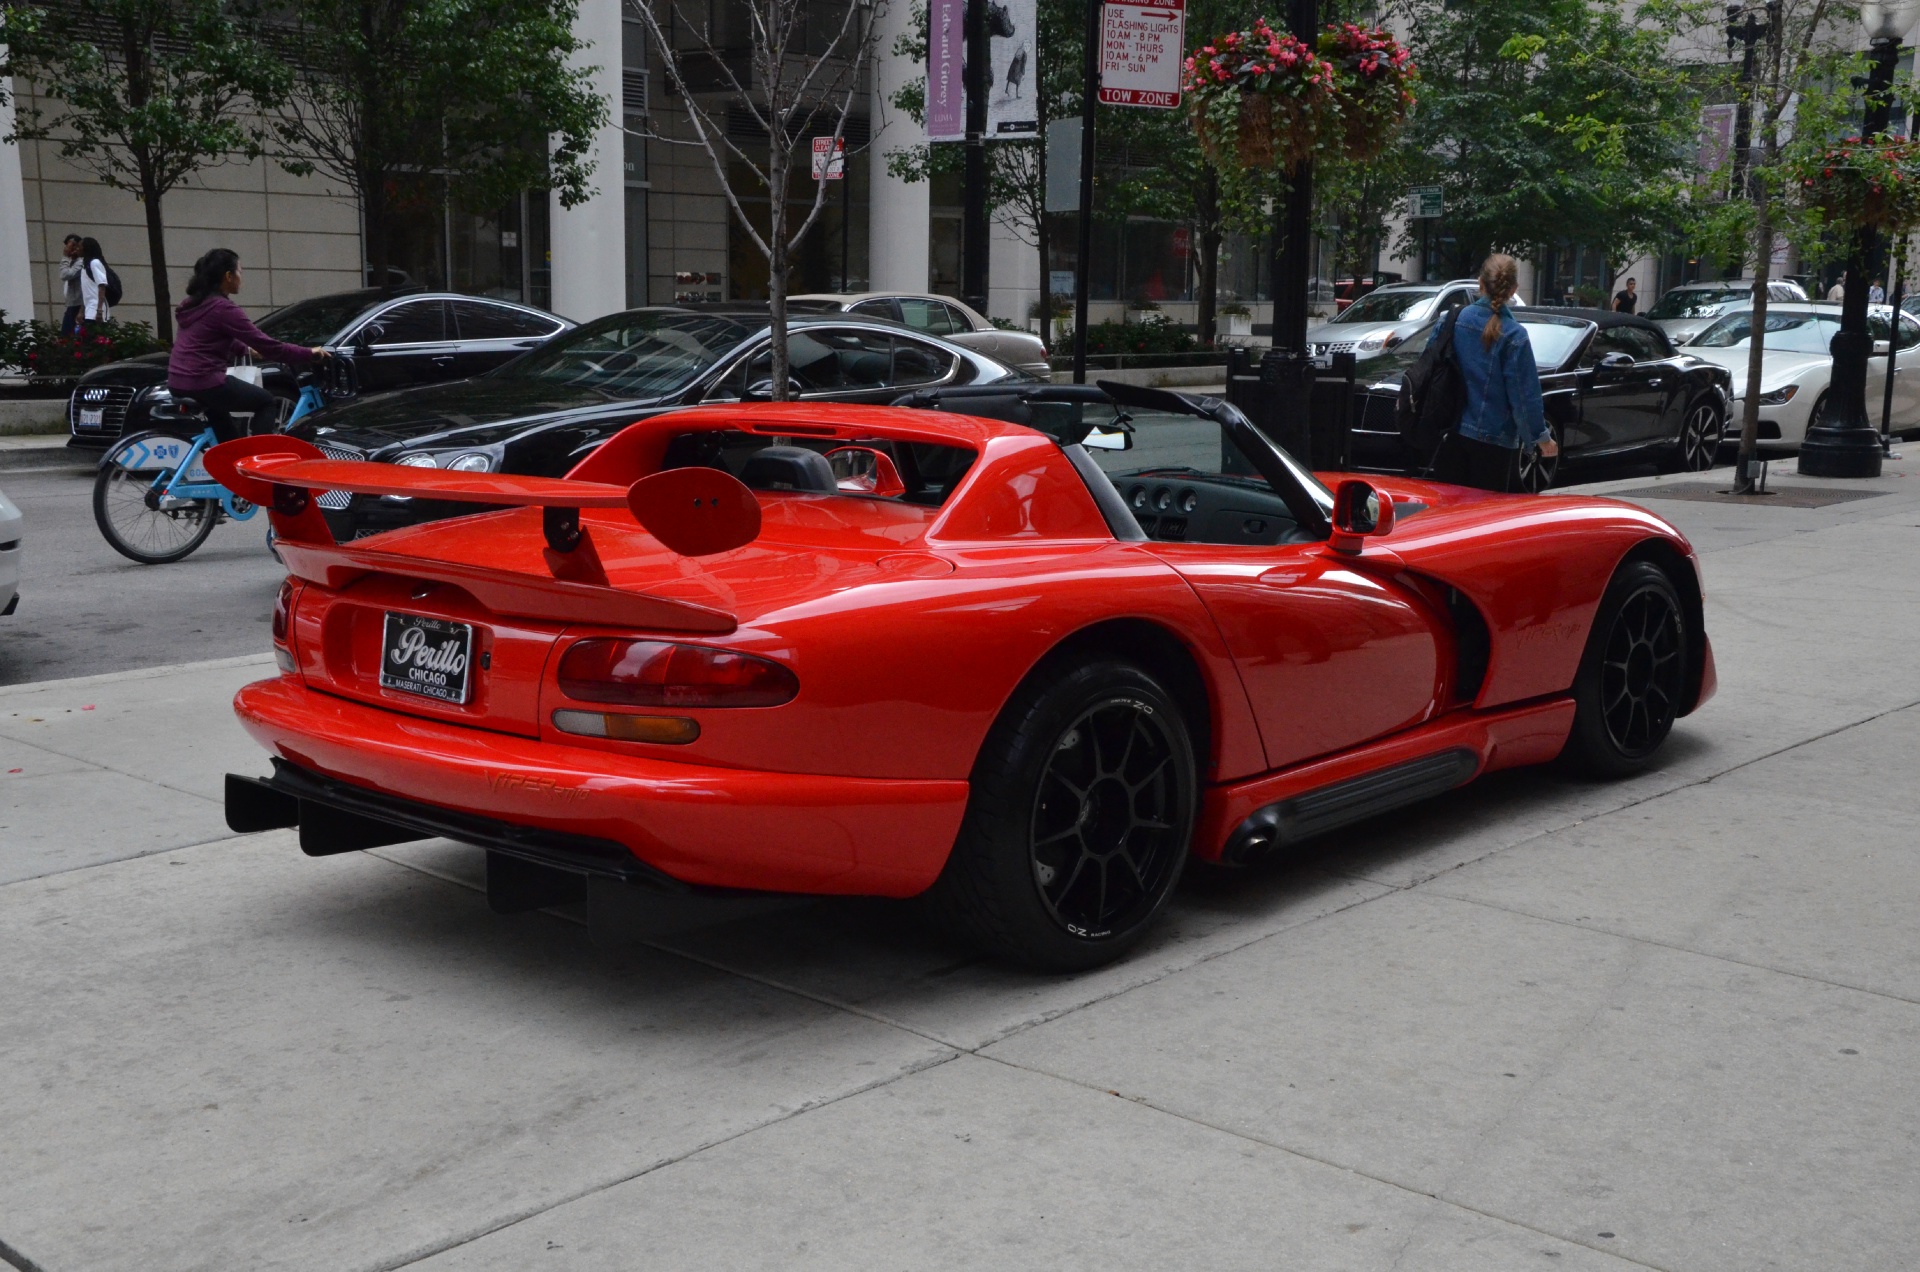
x,y
1672,1022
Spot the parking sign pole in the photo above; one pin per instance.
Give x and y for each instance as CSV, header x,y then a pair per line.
x,y
1089,102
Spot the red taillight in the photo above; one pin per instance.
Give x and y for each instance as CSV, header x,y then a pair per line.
x,y
656,673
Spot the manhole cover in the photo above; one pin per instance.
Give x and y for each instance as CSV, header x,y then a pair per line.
x,y
1778,497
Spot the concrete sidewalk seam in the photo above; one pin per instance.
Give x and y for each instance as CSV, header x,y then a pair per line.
x,y
14,1259
1637,939
138,856
136,673
422,1253
1305,1156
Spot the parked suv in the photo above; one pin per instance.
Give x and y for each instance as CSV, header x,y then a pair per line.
x,y
1689,309
1389,316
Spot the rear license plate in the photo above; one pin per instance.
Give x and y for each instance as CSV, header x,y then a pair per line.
x,y
93,419
427,656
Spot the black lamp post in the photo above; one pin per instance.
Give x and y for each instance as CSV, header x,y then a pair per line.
x,y
1745,30
1843,442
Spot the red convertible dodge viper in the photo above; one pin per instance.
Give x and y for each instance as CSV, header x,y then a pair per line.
x,y
1022,649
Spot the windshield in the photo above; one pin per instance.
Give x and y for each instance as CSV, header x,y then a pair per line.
x,y
1786,333
1553,343
1697,302
1395,305
316,321
632,355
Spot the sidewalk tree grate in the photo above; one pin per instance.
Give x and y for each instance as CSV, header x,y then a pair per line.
x,y
1778,497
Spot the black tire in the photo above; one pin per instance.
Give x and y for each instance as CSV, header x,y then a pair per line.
x,y
1533,472
1702,432
141,532
1632,676
1069,851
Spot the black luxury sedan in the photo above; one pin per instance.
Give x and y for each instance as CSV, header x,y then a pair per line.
x,y
1613,384
396,338
543,413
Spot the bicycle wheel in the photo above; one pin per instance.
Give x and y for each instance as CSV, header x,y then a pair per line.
x,y
127,510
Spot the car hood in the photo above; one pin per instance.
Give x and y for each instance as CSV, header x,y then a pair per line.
x,y
482,411
1341,332
1776,369
147,369
1681,330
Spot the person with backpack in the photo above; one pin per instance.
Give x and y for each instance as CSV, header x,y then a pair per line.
x,y
210,331
99,285
1502,411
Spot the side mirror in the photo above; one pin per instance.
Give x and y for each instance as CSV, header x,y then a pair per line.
x,y
762,390
369,335
862,470
1616,362
1359,513
1881,348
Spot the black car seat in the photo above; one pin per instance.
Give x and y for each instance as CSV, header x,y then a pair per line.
x,y
789,468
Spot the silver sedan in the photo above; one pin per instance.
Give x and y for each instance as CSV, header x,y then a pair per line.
x,y
941,316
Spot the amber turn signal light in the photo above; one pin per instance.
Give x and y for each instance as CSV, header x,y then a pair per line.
x,y
627,728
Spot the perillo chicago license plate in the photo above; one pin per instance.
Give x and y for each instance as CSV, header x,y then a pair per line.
x,y
427,656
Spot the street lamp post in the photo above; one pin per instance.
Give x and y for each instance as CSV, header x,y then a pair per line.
x,y
1843,442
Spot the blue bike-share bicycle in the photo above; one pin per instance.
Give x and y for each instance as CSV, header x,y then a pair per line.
x,y
153,500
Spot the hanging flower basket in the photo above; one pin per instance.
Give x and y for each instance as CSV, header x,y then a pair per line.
x,y
1260,99
1865,184
1373,86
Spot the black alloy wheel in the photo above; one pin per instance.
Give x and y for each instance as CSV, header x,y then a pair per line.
x,y
1078,826
1536,472
1633,675
1697,448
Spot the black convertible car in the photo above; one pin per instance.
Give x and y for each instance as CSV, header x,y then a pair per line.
x,y
396,338
543,413
1613,384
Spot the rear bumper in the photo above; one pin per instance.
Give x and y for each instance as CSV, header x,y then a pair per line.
x,y
701,825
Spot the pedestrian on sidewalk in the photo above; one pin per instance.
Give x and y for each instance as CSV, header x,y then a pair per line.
x,y
1837,292
1626,300
70,267
1504,411
209,332
1877,294
95,282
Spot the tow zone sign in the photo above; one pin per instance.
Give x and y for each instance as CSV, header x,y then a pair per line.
x,y
1141,48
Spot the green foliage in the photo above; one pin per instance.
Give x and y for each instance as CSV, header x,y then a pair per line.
x,y
1550,121
480,92
38,349
1155,334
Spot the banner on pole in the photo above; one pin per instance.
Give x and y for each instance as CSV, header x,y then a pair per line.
x,y
1142,43
1013,104
946,78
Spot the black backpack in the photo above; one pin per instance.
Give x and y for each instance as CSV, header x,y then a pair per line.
x,y
114,291
1433,394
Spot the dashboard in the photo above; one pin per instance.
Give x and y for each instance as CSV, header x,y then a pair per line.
x,y
1186,506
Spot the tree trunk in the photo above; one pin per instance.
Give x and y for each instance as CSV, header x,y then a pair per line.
x,y
777,258
1207,242
150,195
1041,242
1756,354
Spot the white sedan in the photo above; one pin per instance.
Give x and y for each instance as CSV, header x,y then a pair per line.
x,y
1796,367
9,555
941,316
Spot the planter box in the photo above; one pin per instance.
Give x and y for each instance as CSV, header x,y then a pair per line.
x,y
1235,326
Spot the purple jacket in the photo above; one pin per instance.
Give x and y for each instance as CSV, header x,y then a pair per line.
x,y
210,333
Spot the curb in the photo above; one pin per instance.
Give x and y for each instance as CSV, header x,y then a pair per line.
x,y
137,673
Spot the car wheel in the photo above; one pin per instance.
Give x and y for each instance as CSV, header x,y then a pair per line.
x,y
1628,689
1078,825
1536,471
1701,434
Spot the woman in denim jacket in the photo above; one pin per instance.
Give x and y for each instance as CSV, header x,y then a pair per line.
x,y
1503,411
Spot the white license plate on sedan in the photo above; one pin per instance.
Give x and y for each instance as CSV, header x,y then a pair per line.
x,y
94,418
431,657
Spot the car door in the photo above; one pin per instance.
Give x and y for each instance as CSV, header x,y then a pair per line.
x,y
1331,654
487,334
403,345
1619,406
1906,376
1656,360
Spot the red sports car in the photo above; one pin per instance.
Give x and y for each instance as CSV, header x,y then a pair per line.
x,y
1026,669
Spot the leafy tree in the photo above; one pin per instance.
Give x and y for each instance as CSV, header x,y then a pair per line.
x,y
147,93
1552,120
795,68
394,94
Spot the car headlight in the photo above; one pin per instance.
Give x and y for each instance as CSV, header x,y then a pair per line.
x,y
474,462
1779,397
158,394
1371,343
416,461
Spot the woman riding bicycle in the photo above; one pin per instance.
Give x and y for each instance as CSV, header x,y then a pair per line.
x,y
210,332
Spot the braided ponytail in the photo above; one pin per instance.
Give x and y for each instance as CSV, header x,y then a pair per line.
x,y
1499,279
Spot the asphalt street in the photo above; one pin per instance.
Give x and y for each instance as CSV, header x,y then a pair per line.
x,y
1667,1023
84,608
